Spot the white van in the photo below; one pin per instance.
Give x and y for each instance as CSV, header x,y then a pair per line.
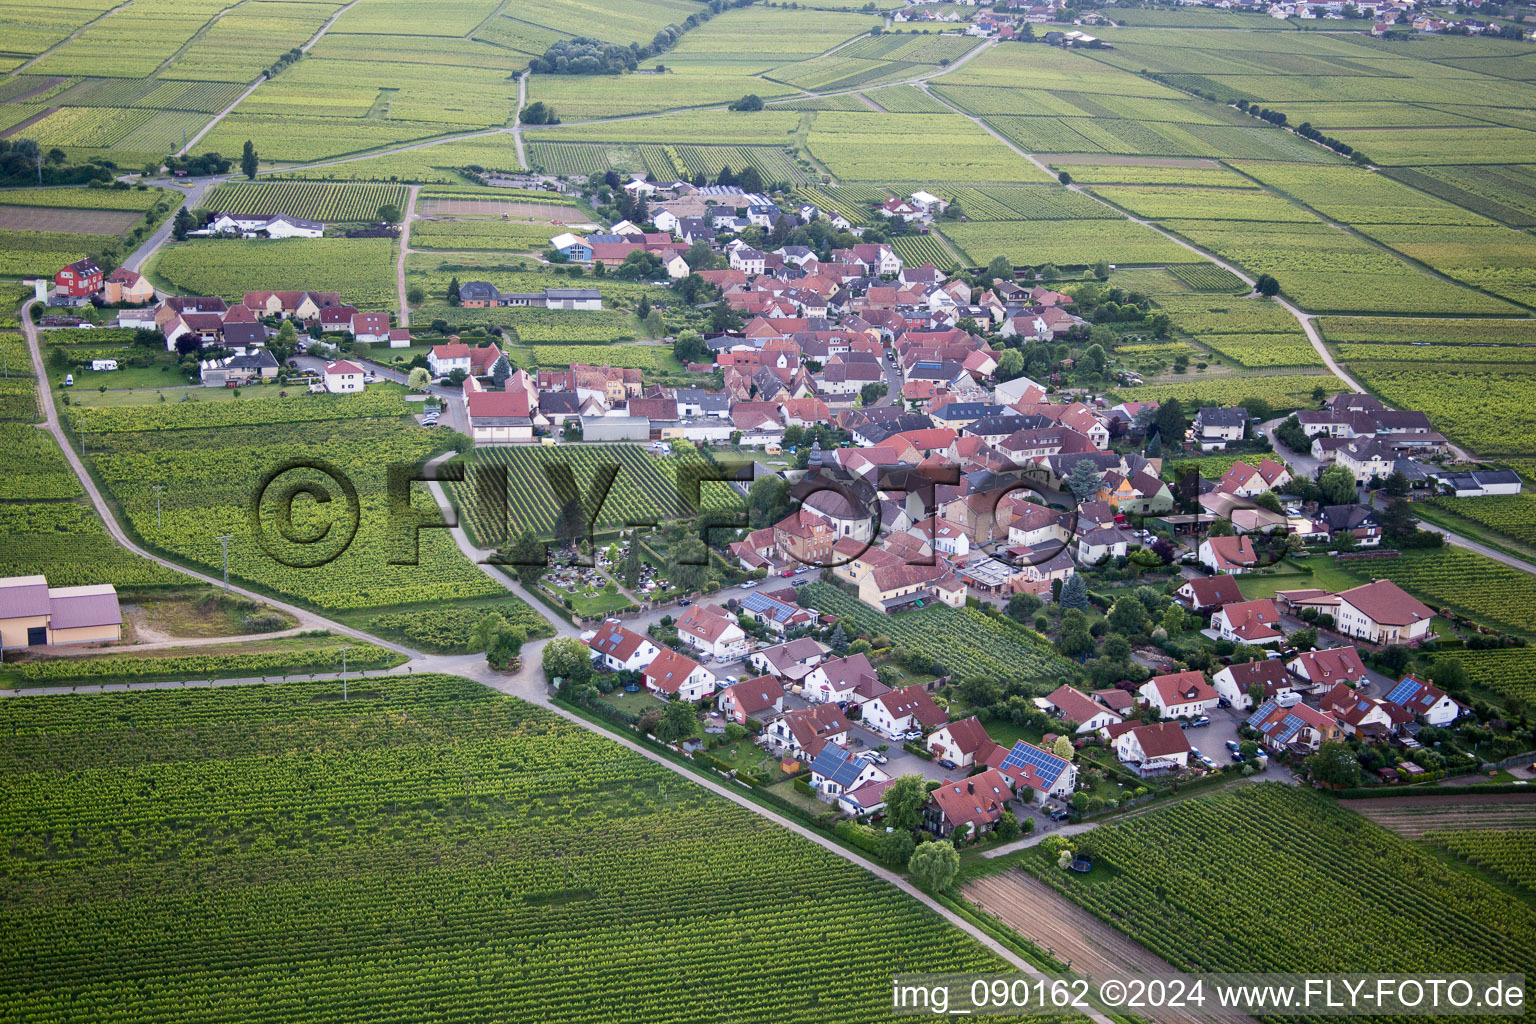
x,y
103,364
1288,698
69,380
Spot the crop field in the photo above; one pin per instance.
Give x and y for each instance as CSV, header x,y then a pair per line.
x,y
645,489
437,163
37,470
86,198
312,200
248,438
1037,67
1207,277
79,222
1411,913
1497,259
133,42
1416,331
849,201
361,269
245,41
1138,174
1354,195
1465,581
1079,243
1513,515
66,542
1510,671
1152,138
1326,270
1509,855
292,137
25,253
1504,193
1028,202
760,35
1160,202
866,147
704,127
483,235
407,18
1483,406
1254,350
478,854
964,641
639,357
279,657
915,250
579,97
1425,353
1282,392
1473,145
906,99
433,271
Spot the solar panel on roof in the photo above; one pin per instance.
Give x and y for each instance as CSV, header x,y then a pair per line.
x,y
1290,726
1403,690
1048,766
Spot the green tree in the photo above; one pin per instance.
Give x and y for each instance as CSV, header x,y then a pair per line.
x,y
767,501
1174,620
678,722
895,847
1266,285
526,557
389,213
1334,765
1337,485
655,327
1129,616
1397,484
1083,480
571,520
1073,639
1074,593
630,569
1064,177
419,379
569,659
1007,827
838,641
1171,423
485,630
1010,365
453,292
686,564
285,343
249,161
904,801
1022,607
934,865
1000,269
1062,748
505,647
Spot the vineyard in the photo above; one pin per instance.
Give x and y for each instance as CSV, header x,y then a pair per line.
x,y
427,850
644,491
451,630
1264,349
1484,406
361,269
1513,515
916,250
1509,671
964,641
1282,392
282,657
211,473
1509,855
1070,242
68,544
37,470
1207,277
1407,913
309,199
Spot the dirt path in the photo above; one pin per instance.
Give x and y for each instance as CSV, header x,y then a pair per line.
x,y
405,248
517,120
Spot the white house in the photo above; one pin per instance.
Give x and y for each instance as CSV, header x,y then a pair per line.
x,y
279,225
1249,622
713,631
964,742
370,327
1382,613
1179,694
1074,706
444,359
753,698
621,649
842,680
342,377
899,712
835,771
1096,545
1429,703
1233,682
1034,772
1153,749
1228,554
673,675
803,732
1321,670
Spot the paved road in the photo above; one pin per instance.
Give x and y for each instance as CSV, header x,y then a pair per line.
x,y
194,195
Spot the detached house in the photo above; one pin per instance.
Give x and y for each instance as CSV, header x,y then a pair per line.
x,y
1299,727
1207,592
1228,554
1234,682
1249,622
804,732
1179,694
672,675
1423,701
964,742
621,649
1153,749
77,281
835,771
755,698
343,377
899,712
843,680
1034,772
1382,613
1324,669
1074,706
1214,427
971,806
712,630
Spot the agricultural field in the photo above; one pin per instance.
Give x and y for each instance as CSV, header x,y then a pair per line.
x,y
917,250
280,657
1464,581
645,489
1209,173
583,97
536,875
311,200
962,641
483,235
86,198
1509,672
438,163
1353,195
133,42
905,99
763,37
1410,913
361,269
1417,331
1496,259
1508,855
212,456
1207,277
1255,350
1503,193
925,147
703,127
1028,202
1513,515
1159,202
1073,243
433,272
66,542
36,468
42,253
1326,270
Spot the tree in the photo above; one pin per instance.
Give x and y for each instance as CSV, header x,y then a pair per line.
x,y
1083,480
654,325
1174,620
1266,285
871,393
415,295
838,641
505,646
1396,484
389,213
1074,593
1096,358
1022,607
751,101
538,112
249,161
571,520
1007,827
1269,500
749,180
1171,423
1062,748
767,501
1221,528
933,865
1064,178
686,564
677,722
1073,639
1129,616
643,310
526,557
285,343
182,224
904,801
1337,484
1000,269
630,568
1010,365
569,659
1334,765
453,292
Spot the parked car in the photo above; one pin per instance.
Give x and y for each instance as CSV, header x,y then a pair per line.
x,y
1222,702
1237,757
685,602
876,756
798,583
69,380
948,764
749,584
912,734
1195,753
1060,814
1197,722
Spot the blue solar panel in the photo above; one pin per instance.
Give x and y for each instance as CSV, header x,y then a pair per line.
x,y
1264,711
1048,766
1403,690
1289,727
